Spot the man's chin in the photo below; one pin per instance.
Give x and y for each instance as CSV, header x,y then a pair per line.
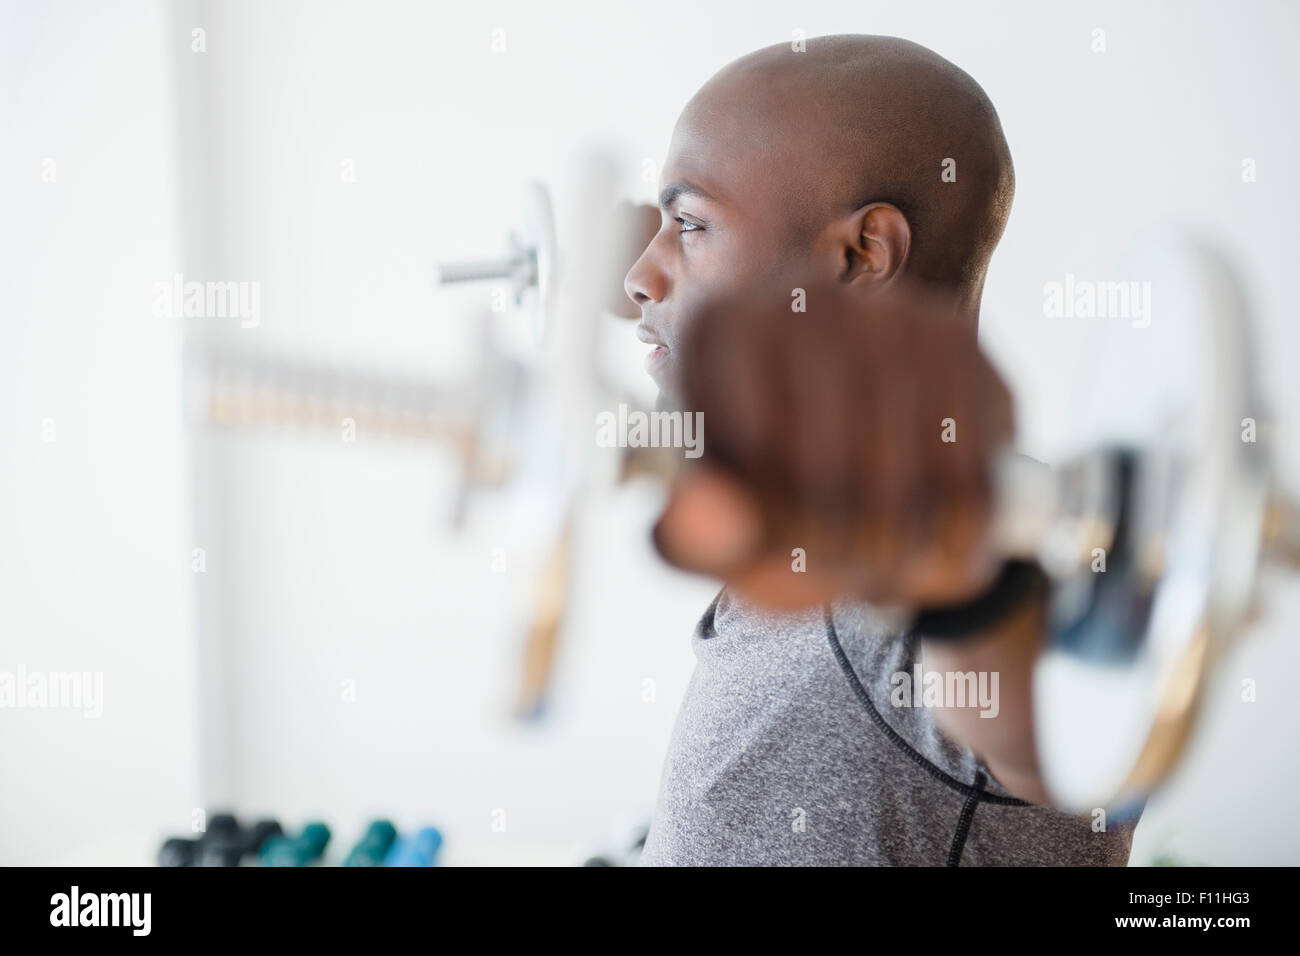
x,y
667,400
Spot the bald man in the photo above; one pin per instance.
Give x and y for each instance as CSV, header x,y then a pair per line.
x,y
858,170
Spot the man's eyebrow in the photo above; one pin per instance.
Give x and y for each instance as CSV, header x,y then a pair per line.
x,y
671,193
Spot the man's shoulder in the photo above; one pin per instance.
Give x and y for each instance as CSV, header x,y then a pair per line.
x,y
790,748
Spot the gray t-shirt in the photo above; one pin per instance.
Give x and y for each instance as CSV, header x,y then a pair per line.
x,y
788,751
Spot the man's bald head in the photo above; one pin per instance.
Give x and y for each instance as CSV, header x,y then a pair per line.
x,y
864,119
829,160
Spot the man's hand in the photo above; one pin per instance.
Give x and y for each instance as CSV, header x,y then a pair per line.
x,y
853,440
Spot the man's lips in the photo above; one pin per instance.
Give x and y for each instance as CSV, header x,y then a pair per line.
x,y
649,336
659,354
655,359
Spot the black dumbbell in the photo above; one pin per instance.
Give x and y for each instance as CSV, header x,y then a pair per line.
x,y
224,843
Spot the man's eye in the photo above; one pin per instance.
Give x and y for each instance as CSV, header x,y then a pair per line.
x,y
686,225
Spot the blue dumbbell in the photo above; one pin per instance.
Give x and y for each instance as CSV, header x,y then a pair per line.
x,y
419,850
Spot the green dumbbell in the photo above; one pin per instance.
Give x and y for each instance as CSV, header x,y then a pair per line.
x,y
303,850
373,847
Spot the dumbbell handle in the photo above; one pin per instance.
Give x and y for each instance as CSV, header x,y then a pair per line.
x,y
518,265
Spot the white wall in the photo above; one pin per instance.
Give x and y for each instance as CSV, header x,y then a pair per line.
x,y
94,567
329,562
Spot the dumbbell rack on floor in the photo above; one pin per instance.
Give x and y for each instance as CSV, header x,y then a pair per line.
x,y
225,842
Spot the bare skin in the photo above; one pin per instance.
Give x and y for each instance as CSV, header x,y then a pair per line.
x,y
825,167
829,161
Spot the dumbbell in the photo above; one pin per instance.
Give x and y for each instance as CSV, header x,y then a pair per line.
x,y
303,850
419,850
1187,525
188,851
177,851
224,843
227,847
625,850
374,846
185,851
530,267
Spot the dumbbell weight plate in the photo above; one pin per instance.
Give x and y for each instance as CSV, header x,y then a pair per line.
x,y
1112,718
530,270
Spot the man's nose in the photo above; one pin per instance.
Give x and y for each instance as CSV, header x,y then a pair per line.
x,y
645,281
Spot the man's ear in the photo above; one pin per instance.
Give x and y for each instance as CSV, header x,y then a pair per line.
x,y
874,241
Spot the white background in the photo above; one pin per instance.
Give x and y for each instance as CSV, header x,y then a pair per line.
x,y
331,562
